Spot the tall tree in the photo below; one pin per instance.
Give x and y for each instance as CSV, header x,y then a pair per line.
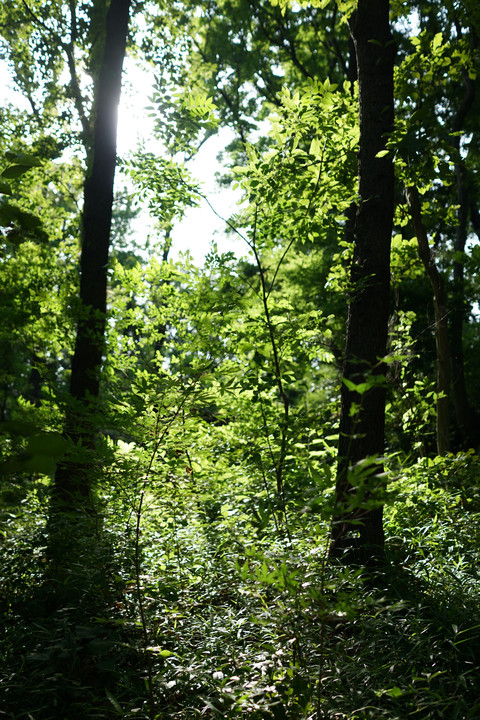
x,y
438,108
96,223
357,518
442,342
467,419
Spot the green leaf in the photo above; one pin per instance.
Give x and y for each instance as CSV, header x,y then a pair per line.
x,y
42,464
5,189
23,159
38,463
114,701
49,443
15,171
314,147
159,651
437,41
12,215
41,454
20,428
359,388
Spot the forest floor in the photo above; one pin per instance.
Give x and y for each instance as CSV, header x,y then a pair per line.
x,y
220,615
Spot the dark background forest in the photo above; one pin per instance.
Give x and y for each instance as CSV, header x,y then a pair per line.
x,y
249,487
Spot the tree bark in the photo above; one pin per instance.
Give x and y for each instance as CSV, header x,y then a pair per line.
x,y
463,411
72,478
466,419
441,322
357,528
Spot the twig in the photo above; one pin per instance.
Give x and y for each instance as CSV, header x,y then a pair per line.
x,y
160,436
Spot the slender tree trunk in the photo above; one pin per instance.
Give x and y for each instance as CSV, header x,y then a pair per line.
x,y
357,523
466,419
467,422
34,381
72,478
441,322
461,403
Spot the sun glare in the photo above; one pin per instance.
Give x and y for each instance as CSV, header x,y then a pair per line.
x,y
202,225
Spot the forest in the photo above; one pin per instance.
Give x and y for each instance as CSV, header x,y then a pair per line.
x,y
247,488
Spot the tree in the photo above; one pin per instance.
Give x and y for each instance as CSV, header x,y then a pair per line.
x,y
359,485
96,224
34,332
437,153
207,408
89,42
441,322
467,419
242,53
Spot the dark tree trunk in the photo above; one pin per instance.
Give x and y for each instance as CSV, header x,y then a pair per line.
x,y
441,322
34,381
72,478
357,523
467,422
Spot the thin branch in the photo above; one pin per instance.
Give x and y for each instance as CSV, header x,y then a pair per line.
x,y
441,325
68,49
160,436
276,361
320,170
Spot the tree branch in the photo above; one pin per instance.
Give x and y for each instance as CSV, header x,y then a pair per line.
x,y
69,50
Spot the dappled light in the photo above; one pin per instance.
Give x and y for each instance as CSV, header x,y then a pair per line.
x,y
239,331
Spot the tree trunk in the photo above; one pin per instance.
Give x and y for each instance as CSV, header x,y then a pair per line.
x,y
466,419
357,527
467,422
72,478
441,322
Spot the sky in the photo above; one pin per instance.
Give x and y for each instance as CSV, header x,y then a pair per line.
x,y
201,226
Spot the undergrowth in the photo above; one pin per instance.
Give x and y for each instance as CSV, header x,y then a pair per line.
x,y
241,620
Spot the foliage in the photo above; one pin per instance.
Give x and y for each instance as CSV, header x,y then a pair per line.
x,y
198,582
242,622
